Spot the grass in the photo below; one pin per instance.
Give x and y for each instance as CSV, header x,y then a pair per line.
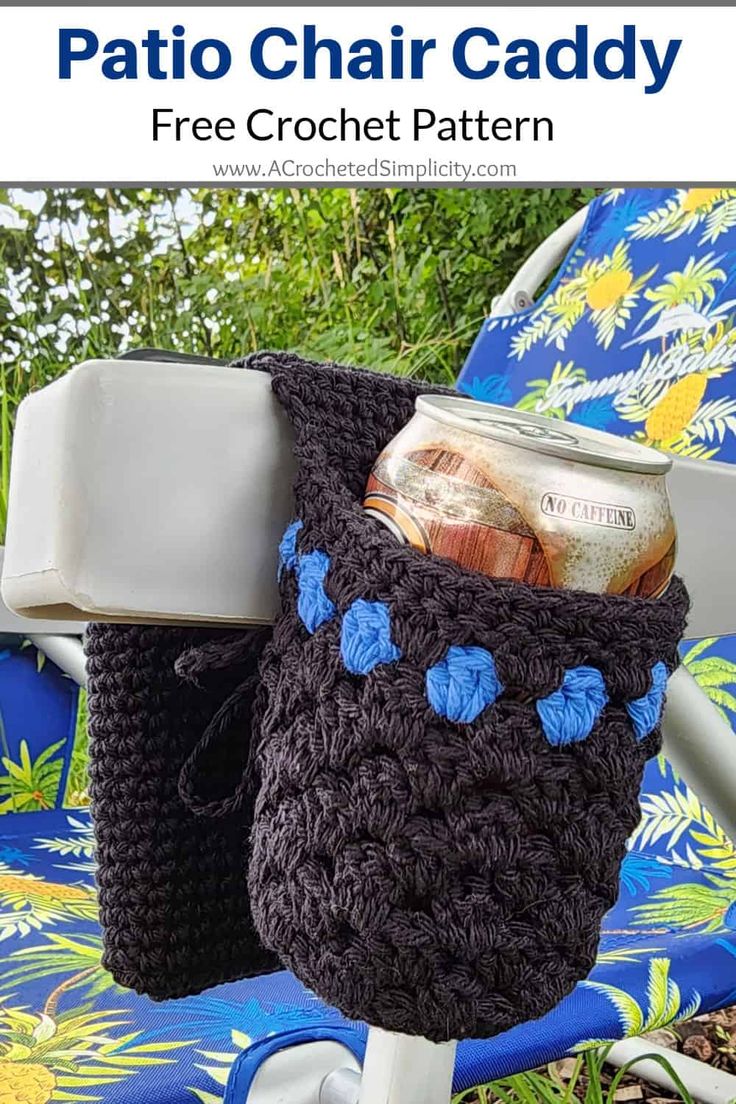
x,y
586,1083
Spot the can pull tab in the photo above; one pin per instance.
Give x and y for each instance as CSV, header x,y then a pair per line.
x,y
529,430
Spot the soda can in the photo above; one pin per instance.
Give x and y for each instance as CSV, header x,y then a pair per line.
x,y
517,495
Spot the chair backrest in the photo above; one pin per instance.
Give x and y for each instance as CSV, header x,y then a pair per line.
x,y
636,334
39,713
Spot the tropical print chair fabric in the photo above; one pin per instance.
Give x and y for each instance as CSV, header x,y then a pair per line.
x,y
39,713
637,333
69,1033
647,260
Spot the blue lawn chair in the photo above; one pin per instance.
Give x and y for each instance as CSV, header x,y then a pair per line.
x,y
649,271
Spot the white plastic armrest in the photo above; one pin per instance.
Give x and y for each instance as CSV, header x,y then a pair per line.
x,y
542,263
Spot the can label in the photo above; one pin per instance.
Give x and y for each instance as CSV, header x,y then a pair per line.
x,y
589,513
439,502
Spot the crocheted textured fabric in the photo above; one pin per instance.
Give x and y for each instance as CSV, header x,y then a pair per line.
x,y
173,902
449,764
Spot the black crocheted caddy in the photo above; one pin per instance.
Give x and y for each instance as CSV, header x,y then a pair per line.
x,y
446,766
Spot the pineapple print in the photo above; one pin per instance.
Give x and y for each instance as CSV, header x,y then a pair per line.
x,y
674,411
699,197
608,289
711,208
45,1058
25,1084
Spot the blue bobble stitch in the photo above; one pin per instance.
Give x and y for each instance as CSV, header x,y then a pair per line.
x,y
463,684
287,547
646,711
569,714
313,605
366,637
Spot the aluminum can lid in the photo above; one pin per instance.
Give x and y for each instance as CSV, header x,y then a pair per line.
x,y
541,434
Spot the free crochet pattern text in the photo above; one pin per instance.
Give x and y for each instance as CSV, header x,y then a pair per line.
x,y
265,125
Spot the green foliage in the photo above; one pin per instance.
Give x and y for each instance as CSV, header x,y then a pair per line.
x,y
390,278
585,1083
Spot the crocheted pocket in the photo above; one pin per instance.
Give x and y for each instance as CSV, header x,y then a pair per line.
x,y
173,902
449,764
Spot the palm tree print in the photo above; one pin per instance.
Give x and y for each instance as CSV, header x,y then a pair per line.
x,y
693,286
664,1004
714,674
692,838
78,847
690,208
678,816
539,390
707,906
673,415
651,280
78,956
623,955
28,902
672,412
217,1066
675,419
31,784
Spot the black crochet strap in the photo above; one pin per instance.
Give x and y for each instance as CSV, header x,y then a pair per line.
x,y
215,756
229,721
221,659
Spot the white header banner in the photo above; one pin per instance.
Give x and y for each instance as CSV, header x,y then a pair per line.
x,y
362,95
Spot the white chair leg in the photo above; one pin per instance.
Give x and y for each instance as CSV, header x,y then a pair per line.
x,y
706,1084
406,1069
